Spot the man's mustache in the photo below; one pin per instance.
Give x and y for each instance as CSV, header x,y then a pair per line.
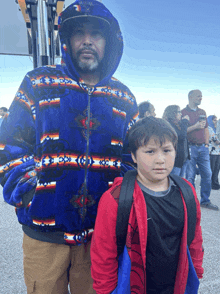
x,y
80,51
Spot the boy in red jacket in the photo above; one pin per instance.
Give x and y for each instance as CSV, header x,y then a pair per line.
x,y
155,259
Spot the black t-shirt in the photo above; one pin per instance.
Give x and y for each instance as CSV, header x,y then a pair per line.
x,y
165,226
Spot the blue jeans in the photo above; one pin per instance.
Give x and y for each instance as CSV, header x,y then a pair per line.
x,y
184,170
200,156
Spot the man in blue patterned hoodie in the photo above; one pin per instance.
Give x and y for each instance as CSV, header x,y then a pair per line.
x,y
62,146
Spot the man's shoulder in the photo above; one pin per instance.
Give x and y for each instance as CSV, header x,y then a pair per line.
x,y
201,111
191,111
47,70
115,83
186,109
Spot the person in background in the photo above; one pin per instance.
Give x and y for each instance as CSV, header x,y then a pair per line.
x,y
180,124
214,151
3,114
62,147
198,138
146,109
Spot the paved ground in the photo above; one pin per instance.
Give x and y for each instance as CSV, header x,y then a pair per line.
x,y
11,272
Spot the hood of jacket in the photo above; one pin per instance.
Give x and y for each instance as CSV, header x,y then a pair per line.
x,y
210,122
114,40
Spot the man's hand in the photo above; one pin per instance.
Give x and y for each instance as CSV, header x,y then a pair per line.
x,y
200,124
197,126
186,117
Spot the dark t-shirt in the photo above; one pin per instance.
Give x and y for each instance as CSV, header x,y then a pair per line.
x,y
165,225
182,152
196,136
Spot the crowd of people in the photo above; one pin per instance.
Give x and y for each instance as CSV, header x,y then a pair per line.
x,y
198,149
56,173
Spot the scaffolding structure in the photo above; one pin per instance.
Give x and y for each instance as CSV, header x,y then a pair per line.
x,y
41,18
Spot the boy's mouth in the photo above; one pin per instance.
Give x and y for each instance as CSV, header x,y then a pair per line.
x,y
159,169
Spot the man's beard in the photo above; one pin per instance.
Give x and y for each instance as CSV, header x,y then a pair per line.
x,y
84,66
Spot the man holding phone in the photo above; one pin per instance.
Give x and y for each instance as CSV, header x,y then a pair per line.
x,y
198,138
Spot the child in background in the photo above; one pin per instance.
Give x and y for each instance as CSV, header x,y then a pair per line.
x,y
157,232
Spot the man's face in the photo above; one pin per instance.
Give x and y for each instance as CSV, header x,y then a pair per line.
x,y
88,46
152,111
154,162
196,97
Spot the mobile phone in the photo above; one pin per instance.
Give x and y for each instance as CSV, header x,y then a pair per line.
x,y
202,117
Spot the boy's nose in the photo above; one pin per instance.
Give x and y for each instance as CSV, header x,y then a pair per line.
x,y
160,157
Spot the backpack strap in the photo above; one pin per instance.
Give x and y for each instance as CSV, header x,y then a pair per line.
x,y
126,200
190,205
124,208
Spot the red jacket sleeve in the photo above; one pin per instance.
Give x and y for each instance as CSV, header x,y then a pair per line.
x,y
196,248
104,267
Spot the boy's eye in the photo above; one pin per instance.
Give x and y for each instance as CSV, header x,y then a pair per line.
x,y
149,151
167,150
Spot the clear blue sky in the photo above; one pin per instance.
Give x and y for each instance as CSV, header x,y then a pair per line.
x,y
171,47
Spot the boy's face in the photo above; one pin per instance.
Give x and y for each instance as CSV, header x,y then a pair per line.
x,y
154,162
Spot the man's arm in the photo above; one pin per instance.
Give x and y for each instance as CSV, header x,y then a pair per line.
x,y
206,136
17,139
127,162
197,126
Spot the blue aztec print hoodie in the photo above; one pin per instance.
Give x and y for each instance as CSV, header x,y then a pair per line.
x,y
61,145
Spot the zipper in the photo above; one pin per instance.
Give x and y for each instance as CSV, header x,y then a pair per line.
x,y
90,90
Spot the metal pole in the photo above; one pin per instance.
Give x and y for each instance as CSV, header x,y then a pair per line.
x,y
42,33
34,45
51,13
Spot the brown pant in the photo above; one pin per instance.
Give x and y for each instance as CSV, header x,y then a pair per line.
x,y
46,268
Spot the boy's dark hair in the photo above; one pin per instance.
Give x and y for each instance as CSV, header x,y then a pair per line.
x,y
146,128
4,109
143,107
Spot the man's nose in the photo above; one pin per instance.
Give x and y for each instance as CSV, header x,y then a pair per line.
x,y
87,39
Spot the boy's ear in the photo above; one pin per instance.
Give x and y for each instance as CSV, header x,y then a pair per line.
x,y
133,158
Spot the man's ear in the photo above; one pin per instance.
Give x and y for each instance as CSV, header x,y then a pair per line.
x,y
133,158
147,113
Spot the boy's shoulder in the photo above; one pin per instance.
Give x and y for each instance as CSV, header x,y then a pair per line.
x,y
108,202
116,189
111,196
177,180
